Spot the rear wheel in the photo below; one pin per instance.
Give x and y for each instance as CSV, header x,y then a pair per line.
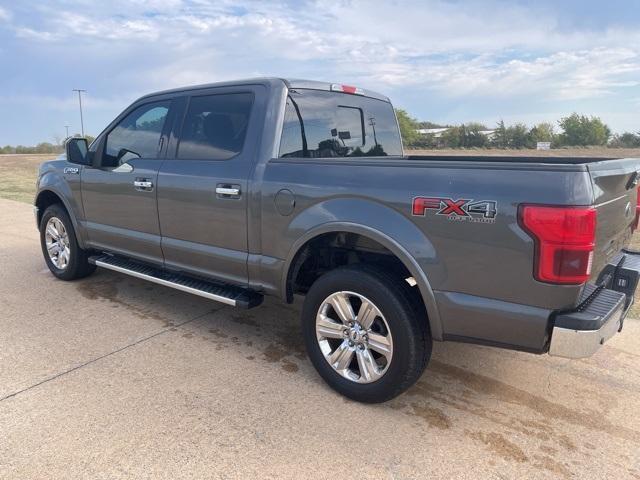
x,y
363,333
60,248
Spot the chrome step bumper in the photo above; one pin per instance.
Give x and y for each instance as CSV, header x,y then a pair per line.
x,y
600,315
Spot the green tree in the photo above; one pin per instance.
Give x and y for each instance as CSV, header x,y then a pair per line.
x,y
580,130
473,136
517,135
500,135
542,132
453,138
408,128
625,140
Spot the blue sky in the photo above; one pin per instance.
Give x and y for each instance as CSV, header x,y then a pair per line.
x,y
445,61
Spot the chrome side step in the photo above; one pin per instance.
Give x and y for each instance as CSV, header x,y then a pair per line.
x,y
220,292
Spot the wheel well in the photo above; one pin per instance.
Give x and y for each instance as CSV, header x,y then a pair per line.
x,y
331,250
45,199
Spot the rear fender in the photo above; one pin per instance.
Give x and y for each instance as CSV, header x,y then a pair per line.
x,y
379,223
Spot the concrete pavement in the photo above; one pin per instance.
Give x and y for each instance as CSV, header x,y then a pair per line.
x,y
112,377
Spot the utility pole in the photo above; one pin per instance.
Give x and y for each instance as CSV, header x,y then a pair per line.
x,y
66,125
80,103
372,122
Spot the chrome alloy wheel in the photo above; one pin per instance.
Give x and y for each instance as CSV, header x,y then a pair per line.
x,y
359,345
57,243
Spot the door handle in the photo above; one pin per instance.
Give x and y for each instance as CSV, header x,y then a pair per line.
x,y
143,184
230,191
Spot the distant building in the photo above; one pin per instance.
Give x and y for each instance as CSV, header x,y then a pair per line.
x,y
437,132
488,133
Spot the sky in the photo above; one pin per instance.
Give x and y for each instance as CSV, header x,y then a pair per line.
x,y
447,61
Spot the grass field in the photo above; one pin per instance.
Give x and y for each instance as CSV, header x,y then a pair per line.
x,y
18,176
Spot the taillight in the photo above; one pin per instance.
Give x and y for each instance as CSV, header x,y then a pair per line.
x,y
634,227
565,239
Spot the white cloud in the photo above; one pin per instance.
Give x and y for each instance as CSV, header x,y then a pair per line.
x,y
4,15
563,75
458,51
451,50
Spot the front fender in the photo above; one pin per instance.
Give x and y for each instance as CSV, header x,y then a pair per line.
x,y
68,192
378,222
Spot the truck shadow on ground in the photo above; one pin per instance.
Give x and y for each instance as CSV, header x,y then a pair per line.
x,y
512,423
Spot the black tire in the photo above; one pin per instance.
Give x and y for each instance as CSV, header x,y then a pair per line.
x,y
78,265
411,339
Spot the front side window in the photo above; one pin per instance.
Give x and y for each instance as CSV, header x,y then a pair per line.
x,y
215,126
137,135
320,124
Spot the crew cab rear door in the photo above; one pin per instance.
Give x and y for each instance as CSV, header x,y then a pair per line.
x,y
203,184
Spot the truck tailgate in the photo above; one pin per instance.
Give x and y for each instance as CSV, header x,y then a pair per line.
x,y
615,187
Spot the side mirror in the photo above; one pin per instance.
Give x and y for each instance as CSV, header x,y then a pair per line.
x,y
77,149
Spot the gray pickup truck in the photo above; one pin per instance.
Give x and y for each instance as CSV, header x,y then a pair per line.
x,y
237,190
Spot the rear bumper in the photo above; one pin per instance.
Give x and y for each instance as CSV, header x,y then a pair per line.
x,y
600,315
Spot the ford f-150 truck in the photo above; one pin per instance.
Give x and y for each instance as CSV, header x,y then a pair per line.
x,y
237,190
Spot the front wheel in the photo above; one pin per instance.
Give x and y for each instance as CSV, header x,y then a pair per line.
x,y
364,334
64,257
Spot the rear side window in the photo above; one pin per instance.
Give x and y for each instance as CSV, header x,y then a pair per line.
x,y
137,135
322,124
215,126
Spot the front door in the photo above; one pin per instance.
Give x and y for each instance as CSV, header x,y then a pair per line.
x,y
203,185
119,191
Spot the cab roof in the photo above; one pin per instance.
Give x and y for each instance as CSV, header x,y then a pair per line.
x,y
274,82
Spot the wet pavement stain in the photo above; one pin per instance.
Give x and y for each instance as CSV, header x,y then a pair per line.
x,y
455,388
552,411
105,287
434,416
548,450
274,353
547,463
246,319
218,333
289,366
500,445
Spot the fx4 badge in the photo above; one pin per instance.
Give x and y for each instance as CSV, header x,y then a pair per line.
x,y
71,170
462,210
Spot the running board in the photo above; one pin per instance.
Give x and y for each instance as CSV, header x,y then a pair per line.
x,y
220,292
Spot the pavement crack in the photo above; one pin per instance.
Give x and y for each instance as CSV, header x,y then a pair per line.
x,y
101,357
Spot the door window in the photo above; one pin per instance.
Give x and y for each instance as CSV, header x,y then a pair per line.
x,y
215,126
137,135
